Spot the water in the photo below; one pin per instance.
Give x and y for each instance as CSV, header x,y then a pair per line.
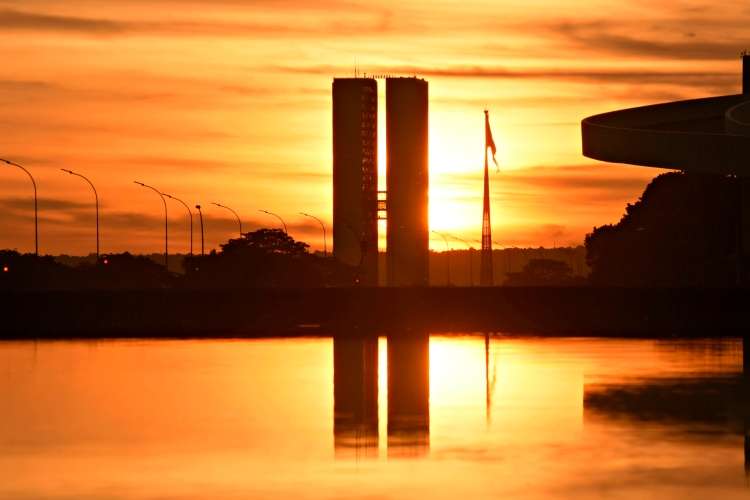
x,y
303,418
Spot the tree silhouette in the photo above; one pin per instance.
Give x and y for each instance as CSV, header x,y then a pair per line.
x,y
29,271
264,258
543,272
124,271
266,241
116,271
681,232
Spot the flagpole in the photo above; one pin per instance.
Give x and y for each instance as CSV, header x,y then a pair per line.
x,y
486,274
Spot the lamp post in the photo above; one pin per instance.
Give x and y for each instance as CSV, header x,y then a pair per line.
x,y
325,245
447,258
278,217
239,221
190,214
36,205
96,201
166,222
200,214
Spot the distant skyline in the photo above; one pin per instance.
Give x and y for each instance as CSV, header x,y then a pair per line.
x,y
229,102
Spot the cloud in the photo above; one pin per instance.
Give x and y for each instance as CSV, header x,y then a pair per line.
x,y
533,235
670,41
603,75
356,21
631,93
186,164
581,178
23,204
26,86
183,164
568,180
145,87
27,21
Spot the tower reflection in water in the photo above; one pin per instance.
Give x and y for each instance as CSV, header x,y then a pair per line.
x,y
408,394
355,395
355,380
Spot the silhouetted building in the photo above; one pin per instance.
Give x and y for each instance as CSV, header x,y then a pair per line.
x,y
355,175
408,394
407,181
355,395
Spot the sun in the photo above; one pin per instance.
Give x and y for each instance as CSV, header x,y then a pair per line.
x,y
447,214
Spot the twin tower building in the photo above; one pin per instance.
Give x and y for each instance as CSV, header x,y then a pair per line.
x,y
357,202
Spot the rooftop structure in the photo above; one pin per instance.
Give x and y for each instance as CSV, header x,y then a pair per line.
x,y
710,135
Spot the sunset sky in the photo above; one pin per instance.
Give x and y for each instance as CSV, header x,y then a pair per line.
x,y
229,101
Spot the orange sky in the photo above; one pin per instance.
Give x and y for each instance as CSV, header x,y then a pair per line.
x,y
229,101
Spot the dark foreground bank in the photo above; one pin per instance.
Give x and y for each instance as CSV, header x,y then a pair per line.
x,y
272,312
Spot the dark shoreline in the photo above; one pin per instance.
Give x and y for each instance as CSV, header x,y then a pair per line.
x,y
621,312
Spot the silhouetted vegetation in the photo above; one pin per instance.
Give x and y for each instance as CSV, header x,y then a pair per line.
x,y
125,271
544,272
27,271
264,258
175,260
708,403
465,264
681,232
119,271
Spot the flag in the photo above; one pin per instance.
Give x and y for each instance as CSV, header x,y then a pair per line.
x,y
488,141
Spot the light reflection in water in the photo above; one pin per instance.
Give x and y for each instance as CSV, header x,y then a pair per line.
x,y
355,390
477,417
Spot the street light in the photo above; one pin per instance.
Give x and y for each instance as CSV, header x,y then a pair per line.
x,y
325,245
166,222
36,210
277,216
447,257
96,200
200,214
190,214
239,221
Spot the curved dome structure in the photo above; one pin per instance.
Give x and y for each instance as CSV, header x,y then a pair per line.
x,y
710,135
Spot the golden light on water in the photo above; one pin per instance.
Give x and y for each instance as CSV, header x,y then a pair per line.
x,y
255,418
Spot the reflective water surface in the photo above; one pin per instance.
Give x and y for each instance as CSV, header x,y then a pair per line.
x,y
402,417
